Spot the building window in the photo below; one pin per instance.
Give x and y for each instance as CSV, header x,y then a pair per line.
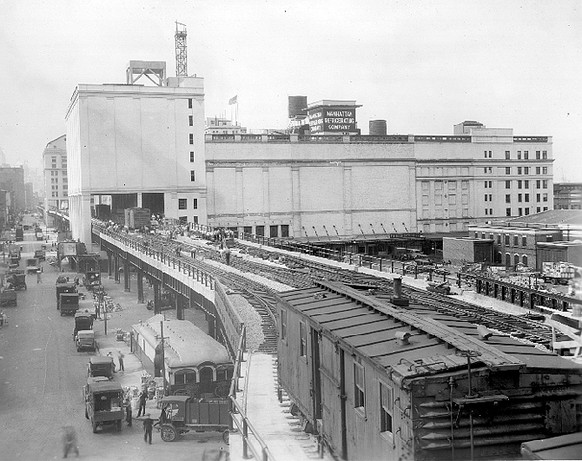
x,y
182,204
523,241
195,204
191,138
508,212
526,198
526,184
526,211
192,158
507,170
538,183
485,197
260,231
486,211
525,154
507,155
538,209
544,155
183,220
190,120
302,339
284,230
359,386
507,240
519,155
545,170
195,219
189,103
518,170
508,184
273,231
519,183
247,229
519,197
544,184
386,409
538,198
507,198
283,324
520,212
526,170
192,175
544,197
538,170
538,154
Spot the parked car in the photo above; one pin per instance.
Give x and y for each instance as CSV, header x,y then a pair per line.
x,y
85,340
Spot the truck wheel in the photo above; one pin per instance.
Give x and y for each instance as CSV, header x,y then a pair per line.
x,y
168,433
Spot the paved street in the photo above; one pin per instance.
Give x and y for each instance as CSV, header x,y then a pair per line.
x,y
41,379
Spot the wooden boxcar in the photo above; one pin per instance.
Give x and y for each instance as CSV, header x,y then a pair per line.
x,y
379,382
196,364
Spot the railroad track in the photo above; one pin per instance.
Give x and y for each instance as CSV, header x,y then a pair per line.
x,y
301,273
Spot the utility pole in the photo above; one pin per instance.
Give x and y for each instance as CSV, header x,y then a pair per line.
x,y
163,356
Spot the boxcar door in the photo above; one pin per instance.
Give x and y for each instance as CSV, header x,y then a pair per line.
x,y
333,422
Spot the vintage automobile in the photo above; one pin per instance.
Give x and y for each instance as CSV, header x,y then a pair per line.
x,y
8,298
16,280
92,279
83,321
85,340
68,303
100,366
103,403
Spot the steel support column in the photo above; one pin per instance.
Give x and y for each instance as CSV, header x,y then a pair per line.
x,y
179,307
126,276
140,286
109,264
156,285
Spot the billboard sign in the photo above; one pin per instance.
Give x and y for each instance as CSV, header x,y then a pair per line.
x,y
332,120
67,249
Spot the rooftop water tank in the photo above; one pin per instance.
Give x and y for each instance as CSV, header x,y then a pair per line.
x,y
377,127
297,106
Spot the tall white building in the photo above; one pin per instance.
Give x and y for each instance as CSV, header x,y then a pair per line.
x,y
143,145
54,160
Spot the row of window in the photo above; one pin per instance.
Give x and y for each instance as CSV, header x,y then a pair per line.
x,y
183,204
540,184
525,198
540,155
525,211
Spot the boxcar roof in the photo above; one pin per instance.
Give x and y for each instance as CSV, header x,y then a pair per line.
x,y
185,344
437,340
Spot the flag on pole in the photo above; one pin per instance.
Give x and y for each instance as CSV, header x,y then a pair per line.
x,y
233,100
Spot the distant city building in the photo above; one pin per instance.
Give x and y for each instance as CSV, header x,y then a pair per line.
x,y
354,185
29,197
56,185
568,196
215,125
141,145
518,241
12,180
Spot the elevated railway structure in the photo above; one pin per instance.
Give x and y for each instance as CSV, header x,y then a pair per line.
x,y
292,271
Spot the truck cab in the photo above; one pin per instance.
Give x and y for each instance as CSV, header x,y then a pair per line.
x,y
103,403
100,366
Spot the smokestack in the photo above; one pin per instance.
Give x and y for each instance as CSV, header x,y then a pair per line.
x,y
398,299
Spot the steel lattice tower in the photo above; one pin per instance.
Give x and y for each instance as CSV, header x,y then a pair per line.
x,y
181,50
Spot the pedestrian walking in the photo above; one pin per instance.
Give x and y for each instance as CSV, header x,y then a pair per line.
x,y
142,402
148,424
38,276
128,410
69,441
120,357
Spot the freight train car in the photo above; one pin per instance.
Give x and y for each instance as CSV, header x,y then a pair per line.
x,y
376,381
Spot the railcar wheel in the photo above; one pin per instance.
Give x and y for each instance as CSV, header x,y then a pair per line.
x,y
168,433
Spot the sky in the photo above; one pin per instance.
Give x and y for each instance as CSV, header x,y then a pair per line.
x,y
423,66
